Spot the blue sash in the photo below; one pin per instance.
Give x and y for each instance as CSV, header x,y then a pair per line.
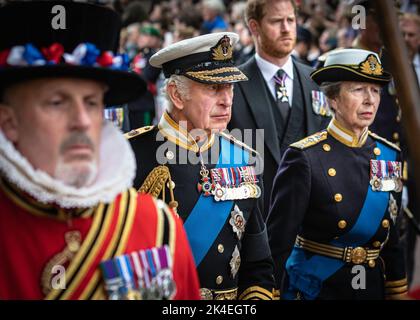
x,y
307,275
209,216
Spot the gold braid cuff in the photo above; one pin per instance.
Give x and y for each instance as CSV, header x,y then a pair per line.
x,y
256,293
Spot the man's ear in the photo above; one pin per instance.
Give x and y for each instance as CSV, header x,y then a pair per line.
x,y
253,27
8,123
175,96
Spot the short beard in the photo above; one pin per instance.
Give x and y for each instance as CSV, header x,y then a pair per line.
x,y
270,48
76,175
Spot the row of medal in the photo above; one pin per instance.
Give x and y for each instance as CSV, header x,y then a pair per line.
x,y
320,103
386,175
140,275
235,183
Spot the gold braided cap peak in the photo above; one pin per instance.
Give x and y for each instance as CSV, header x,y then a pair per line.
x,y
136,132
389,143
310,140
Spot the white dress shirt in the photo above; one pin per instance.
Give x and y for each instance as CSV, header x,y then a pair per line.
x,y
269,70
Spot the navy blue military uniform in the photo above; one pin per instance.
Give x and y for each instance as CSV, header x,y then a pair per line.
x,y
327,184
213,183
254,278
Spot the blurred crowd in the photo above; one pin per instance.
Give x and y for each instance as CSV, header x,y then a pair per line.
x,y
150,25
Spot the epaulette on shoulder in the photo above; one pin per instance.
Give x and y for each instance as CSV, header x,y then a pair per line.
x,y
310,140
238,142
389,143
137,132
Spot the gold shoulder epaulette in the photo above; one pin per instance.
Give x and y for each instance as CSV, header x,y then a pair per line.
x,y
155,182
389,143
139,131
238,142
310,140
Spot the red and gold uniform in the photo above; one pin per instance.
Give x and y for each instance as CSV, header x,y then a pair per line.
x,y
31,234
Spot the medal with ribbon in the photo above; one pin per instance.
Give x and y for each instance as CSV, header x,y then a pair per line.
x,y
385,175
234,183
140,275
320,103
281,88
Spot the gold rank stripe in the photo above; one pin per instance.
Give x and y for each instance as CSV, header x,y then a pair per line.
x,y
399,296
396,283
256,293
100,225
127,209
401,289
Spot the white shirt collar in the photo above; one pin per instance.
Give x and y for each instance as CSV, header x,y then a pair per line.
x,y
269,69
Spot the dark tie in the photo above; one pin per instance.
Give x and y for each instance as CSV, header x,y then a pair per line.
x,y
281,94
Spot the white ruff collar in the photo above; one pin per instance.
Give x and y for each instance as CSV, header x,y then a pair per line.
x,y
116,172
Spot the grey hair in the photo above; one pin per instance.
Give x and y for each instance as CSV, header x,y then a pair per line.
x,y
331,90
183,85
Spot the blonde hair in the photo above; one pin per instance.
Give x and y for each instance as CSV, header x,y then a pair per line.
x,y
410,17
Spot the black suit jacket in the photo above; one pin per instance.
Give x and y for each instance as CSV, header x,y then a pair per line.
x,y
252,110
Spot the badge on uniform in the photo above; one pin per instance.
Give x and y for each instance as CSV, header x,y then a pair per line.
x,y
385,175
235,262
237,221
234,183
320,103
140,275
393,208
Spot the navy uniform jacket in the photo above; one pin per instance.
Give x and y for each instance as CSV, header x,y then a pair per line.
x,y
318,194
255,276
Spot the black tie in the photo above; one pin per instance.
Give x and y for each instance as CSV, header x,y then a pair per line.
x,y
281,94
